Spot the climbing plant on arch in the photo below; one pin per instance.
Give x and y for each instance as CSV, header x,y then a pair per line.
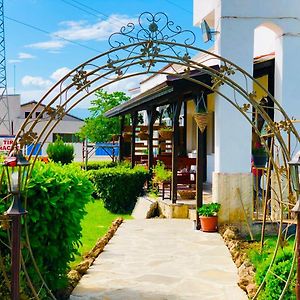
x,y
155,45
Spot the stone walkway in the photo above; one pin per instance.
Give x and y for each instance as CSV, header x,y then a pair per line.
x,y
161,259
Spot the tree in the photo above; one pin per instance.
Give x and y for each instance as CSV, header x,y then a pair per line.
x,y
99,128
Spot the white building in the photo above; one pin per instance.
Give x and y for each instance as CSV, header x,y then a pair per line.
x,y
248,29
66,128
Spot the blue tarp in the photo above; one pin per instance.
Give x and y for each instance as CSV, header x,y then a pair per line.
x,y
37,150
105,149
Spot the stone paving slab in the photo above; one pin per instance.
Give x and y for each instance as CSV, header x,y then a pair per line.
x,y
161,259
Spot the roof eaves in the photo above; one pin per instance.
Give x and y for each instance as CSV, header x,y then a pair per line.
x,y
137,101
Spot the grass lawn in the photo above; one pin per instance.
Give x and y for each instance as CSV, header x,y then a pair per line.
x,y
94,225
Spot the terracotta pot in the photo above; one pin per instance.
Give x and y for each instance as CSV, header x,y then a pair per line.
x,y
209,224
201,120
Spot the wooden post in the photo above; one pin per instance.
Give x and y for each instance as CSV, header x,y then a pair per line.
x,y
134,120
175,142
201,169
151,113
185,127
199,174
121,139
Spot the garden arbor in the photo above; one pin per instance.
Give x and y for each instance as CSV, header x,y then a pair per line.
x,y
156,46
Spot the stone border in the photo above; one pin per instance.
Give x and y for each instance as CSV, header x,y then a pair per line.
x,y
246,270
75,275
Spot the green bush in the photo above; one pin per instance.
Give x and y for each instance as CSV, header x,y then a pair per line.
x,y
95,165
56,199
160,174
119,187
60,152
275,279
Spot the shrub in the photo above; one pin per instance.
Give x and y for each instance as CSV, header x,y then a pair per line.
x,y
60,152
160,173
119,187
56,199
275,279
95,165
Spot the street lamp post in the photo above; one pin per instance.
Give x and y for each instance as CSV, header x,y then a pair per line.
x,y
294,172
16,167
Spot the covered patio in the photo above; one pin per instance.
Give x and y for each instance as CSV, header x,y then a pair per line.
x,y
177,97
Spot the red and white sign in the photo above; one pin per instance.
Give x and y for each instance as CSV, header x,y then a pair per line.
x,y
6,143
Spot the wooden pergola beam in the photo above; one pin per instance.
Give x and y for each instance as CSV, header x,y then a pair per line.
x,y
176,108
134,120
121,139
152,115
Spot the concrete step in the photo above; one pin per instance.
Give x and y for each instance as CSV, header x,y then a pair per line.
x,y
192,214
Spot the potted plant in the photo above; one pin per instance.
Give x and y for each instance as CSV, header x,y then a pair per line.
x,y
166,132
160,174
143,135
201,115
127,136
259,156
208,214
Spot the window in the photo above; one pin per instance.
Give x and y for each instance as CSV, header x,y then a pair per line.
x,y
66,137
37,114
27,113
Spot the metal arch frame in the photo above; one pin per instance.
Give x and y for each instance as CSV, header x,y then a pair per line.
x,y
146,52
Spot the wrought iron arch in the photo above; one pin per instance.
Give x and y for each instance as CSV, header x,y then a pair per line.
x,y
144,49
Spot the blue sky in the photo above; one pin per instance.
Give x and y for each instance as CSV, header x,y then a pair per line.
x,y
40,57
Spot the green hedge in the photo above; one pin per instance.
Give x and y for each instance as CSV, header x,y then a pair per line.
x,y
275,279
56,199
95,165
119,187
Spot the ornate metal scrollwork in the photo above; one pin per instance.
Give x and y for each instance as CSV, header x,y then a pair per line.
x,y
27,138
80,79
153,34
245,107
224,71
151,27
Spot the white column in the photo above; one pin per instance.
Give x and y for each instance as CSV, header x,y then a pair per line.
x,y
232,131
287,66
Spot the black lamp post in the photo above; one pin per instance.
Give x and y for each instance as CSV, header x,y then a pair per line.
x,y
16,167
294,172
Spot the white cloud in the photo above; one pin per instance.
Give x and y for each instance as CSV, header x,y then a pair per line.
x,y
59,73
51,45
35,81
23,55
101,30
31,95
14,61
125,85
83,31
